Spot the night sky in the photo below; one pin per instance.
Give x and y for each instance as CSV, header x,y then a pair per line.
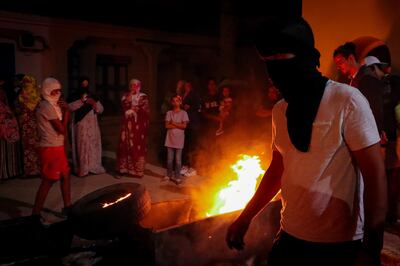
x,y
190,16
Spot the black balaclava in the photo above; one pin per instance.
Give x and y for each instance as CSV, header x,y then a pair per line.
x,y
298,80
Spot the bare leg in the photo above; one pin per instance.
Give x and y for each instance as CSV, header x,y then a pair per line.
x,y
41,195
65,186
220,129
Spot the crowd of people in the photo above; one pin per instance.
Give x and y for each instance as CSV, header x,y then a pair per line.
x,y
45,134
20,130
38,127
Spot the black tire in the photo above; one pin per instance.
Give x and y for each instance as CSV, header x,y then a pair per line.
x,y
91,221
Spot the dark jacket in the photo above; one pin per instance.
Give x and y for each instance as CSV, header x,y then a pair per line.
x,y
391,97
193,100
372,88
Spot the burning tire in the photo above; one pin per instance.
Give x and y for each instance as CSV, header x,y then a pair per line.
x,y
110,211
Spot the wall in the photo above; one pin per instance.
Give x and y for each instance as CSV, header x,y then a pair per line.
x,y
335,22
61,34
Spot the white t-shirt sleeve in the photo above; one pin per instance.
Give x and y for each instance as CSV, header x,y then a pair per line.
x,y
168,116
185,117
359,126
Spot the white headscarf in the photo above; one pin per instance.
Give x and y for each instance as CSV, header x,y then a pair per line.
x,y
48,85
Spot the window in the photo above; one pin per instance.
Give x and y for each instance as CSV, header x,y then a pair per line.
x,y
111,80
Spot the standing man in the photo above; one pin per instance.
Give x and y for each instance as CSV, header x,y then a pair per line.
x,y
210,121
391,105
52,118
362,78
210,107
326,161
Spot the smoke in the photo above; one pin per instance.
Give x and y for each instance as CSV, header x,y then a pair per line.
x,y
249,135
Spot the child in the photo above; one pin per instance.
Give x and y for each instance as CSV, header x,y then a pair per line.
x,y
175,122
225,109
52,118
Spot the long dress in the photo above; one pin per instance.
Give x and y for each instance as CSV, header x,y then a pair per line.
x,y
10,165
29,139
132,147
86,140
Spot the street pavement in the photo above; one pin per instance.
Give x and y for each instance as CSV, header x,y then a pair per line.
x,y
17,195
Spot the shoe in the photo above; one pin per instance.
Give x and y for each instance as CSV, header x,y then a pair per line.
x,y
177,181
41,220
184,169
191,172
219,132
118,176
165,179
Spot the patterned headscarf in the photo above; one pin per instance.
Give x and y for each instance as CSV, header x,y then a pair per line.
x,y
29,95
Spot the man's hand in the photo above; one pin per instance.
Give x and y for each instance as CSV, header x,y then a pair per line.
x,y
371,164
236,232
269,186
92,102
384,138
84,97
63,105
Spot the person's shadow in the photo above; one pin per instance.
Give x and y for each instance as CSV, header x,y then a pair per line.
x,y
13,207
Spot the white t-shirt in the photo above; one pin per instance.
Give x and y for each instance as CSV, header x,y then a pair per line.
x,y
322,191
48,136
175,137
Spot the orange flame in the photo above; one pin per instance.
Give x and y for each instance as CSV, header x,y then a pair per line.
x,y
105,205
239,191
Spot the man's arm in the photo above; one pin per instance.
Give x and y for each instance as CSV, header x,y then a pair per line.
x,y
169,125
372,167
61,126
269,186
179,125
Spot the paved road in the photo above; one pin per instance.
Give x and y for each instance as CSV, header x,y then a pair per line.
x,y
17,195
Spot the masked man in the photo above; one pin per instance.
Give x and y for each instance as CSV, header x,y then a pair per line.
x,y
326,161
53,117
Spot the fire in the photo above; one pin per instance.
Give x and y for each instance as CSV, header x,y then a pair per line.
x,y
105,205
239,191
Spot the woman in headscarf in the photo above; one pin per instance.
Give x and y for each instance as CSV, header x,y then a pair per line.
x,y
10,166
26,104
132,146
86,137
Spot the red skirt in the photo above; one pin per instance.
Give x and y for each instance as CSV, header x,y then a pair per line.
x,y
53,162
